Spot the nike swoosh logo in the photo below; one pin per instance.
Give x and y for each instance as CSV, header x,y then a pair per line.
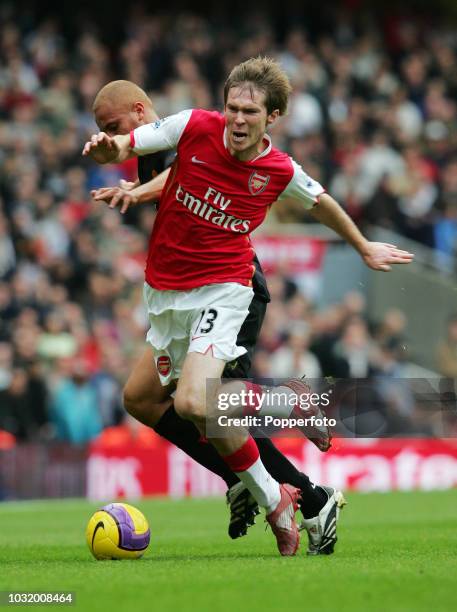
x,y
98,526
196,337
198,161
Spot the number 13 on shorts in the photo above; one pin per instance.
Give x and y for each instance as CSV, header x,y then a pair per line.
x,y
205,323
215,326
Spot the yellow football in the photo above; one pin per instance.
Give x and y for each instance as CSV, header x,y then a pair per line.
x,y
118,531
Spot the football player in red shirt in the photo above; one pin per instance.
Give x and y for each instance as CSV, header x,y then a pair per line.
x,y
120,107
200,262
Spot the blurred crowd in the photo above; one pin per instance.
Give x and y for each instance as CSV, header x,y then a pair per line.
x,y
373,117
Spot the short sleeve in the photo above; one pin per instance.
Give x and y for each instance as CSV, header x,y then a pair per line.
x,y
302,188
161,135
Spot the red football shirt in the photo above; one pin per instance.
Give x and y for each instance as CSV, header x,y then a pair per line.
x,y
212,201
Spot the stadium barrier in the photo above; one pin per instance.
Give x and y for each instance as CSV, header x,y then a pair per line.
x,y
361,465
152,466
327,275
417,290
35,471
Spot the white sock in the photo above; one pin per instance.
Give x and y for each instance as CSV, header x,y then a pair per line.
x,y
264,488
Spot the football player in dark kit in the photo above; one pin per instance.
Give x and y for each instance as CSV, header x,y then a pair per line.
x,y
120,107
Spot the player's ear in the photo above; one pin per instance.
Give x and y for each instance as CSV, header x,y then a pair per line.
x,y
138,108
271,118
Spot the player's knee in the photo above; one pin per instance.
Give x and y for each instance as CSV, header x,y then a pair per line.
x,y
189,406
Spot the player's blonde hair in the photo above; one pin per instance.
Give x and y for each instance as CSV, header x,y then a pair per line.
x,y
266,75
121,93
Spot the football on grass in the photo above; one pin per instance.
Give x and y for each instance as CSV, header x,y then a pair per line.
x,y
118,531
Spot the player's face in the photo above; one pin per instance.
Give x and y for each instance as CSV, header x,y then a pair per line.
x,y
115,121
246,119
122,120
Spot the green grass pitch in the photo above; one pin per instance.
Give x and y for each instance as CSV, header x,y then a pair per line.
x,y
396,551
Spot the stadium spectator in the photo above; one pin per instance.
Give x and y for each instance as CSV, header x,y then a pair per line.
x,y
447,350
354,349
23,405
74,407
294,358
445,227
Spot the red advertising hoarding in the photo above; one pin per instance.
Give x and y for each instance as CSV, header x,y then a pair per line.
x,y
136,470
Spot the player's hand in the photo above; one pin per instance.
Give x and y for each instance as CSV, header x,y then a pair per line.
x,y
381,256
115,196
102,148
127,185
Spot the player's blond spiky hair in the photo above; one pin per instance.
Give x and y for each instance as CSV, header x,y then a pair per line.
x,y
266,75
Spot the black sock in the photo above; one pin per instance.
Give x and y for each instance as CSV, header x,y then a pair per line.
x,y
313,497
186,436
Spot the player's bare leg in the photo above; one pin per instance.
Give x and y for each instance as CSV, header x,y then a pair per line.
x,y
150,403
238,450
144,396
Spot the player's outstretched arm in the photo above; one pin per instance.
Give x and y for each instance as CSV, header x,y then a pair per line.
x,y
106,149
125,198
161,135
377,255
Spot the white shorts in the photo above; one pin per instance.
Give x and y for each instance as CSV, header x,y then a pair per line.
x,y
202,320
